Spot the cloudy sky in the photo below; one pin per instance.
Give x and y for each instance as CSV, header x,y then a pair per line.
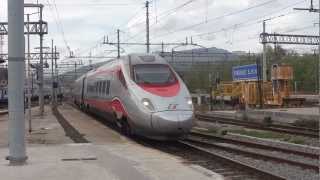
x,y
234,25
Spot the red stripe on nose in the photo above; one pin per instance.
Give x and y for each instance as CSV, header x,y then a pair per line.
x,y
162,90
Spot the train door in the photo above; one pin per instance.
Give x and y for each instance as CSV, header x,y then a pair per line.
x,y
82,90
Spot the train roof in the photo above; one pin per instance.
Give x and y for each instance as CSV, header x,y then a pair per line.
x,y
134,59
145,59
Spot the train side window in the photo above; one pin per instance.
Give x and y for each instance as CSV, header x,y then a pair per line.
x,y
100,85
90,88
104,87
108,87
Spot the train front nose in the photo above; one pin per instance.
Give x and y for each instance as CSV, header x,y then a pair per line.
x,y
172,123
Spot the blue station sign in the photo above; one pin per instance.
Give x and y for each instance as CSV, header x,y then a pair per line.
x,y
245,73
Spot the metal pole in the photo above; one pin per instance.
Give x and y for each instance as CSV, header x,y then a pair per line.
x,y
162,47
264,58
118,45
75,71
319,64
258,62
29,76
16,75
32,76
52,74
56,73
210,92
147,28
41,94
172,55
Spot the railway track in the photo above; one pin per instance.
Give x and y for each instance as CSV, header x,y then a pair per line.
x,y
314,133
196,155
258,151
4,108
233,169
191,154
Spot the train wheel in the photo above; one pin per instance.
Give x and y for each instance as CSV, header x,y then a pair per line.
x,y
87,108
125,128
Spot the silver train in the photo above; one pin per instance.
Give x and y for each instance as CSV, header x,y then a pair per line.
x,y
141,93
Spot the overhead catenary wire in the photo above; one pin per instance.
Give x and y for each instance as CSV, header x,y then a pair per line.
x,y
96,4
159,17
218,17
61,25
228,14
56,17
156,19
166,13
101,39
251,21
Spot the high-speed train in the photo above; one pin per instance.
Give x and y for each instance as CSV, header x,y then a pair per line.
x,y
141,93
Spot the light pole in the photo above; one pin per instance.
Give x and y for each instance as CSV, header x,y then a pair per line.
x,y
264,56
29,75
147,27
16,76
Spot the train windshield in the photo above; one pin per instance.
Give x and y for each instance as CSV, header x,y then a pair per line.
x,y
153,74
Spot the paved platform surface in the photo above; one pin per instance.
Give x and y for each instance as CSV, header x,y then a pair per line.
x,y
53,156
284,115
45,129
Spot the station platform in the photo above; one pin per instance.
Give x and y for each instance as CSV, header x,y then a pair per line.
x,y
282,115
52,155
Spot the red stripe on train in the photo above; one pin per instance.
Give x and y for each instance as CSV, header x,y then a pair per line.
x,y
108,106
169,90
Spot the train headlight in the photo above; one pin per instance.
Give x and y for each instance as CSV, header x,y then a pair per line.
x,y
147,103
189,102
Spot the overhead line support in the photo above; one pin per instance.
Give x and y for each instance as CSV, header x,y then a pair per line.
x,y
147,27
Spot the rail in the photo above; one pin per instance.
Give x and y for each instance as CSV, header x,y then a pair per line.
x,y
263,173
314,133
211,141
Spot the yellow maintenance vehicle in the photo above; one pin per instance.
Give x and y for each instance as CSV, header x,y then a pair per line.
x,y
247,88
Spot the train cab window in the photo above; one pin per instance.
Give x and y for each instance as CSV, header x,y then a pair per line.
x,y
158,74
121,79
